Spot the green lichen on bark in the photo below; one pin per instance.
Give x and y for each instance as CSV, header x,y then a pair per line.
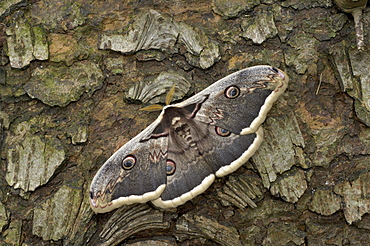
x,y
62,85
307,184
31,160
54,218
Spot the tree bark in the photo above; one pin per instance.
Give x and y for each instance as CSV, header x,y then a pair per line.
x,y
74,74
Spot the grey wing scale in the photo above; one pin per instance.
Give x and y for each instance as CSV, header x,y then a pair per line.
x,y
234,116
205,158
191,143
222,132
259,88
114,185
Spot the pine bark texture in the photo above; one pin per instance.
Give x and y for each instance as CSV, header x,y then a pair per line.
x,y
74,74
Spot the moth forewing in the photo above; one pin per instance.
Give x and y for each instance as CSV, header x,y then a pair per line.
x,y
178,156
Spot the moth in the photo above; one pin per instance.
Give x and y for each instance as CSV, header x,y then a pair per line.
x,y
180,154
